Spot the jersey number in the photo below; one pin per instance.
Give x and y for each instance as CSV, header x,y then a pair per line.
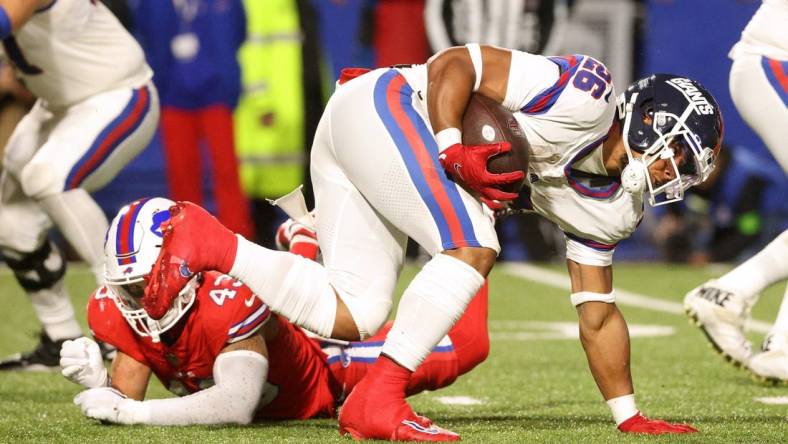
x,y
14,53
219,295
592,77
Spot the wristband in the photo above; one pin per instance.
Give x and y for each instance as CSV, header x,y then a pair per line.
x,y
448,137
5,23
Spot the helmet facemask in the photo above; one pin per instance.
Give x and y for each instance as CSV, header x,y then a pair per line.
x,y
676,143
128,298
132,246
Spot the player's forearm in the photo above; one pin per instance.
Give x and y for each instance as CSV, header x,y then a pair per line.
x,y
451,77
605,339
239,376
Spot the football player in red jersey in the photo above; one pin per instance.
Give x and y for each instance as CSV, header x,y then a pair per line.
x,y
219,347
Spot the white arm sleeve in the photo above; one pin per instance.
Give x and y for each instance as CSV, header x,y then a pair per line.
x,y
586,255
239,376
529,74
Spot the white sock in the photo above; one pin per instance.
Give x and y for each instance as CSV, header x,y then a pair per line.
x,y
622,407
82,223
54,310
432,303
760,271
295,287
780,326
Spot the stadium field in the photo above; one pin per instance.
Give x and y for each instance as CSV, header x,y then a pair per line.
x,y
535,386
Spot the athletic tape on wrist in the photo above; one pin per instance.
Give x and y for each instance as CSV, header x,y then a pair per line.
x,y
448,137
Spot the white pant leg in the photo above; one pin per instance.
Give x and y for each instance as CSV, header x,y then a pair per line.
x,y
383,144
372,192
762,101
88,143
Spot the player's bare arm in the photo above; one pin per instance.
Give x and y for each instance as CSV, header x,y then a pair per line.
x,y
18,12
603,331
129,376
451,76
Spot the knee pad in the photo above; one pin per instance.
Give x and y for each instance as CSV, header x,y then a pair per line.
x,y
38,270
371,309
41,179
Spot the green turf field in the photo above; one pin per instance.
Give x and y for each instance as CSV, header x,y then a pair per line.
x,y
535,386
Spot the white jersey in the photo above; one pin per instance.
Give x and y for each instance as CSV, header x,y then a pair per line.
x,y
566,106
767,32
75,49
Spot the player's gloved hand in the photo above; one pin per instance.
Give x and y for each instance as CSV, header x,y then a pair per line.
x,y
640,424
297,238
468,164
82,363
193,241
110,405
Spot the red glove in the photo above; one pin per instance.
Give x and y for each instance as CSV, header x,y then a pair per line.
x,y
298,239
640,424
468,164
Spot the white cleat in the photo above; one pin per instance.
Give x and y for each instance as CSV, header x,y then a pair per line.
x,y
721,314
771,364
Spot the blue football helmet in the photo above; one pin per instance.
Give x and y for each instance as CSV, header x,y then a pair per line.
x,y
665,116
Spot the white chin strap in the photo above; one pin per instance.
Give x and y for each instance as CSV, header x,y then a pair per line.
x,y
634,177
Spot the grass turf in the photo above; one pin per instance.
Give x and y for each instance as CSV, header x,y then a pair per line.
x,y
531,390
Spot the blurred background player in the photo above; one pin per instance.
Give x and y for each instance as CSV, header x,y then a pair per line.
x,y
662,140
96,110
199,78
220,349
759,87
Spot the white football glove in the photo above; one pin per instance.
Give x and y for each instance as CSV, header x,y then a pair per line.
x,y
109,405
82,363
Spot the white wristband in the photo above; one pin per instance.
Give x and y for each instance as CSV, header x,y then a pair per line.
x,y
447,137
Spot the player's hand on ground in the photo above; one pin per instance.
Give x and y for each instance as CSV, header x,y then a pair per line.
x,y
193,241
640,424
468,164
297,238
82,363
109,405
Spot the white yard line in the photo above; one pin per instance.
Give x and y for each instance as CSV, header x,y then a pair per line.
x,y
774,400
458,400
623,297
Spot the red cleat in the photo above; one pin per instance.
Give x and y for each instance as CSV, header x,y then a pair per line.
x,y
194,241
640,424
376,409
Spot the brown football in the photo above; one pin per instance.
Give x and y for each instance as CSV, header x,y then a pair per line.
x,y
486,121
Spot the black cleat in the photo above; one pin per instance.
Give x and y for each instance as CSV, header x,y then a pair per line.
x,y
45,357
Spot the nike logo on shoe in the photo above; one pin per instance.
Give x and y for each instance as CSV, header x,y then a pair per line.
x,y
715,295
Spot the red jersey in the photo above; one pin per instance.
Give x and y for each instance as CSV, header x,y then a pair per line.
x,y
224,311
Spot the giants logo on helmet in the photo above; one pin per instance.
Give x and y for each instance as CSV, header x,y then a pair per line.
x,y
693,95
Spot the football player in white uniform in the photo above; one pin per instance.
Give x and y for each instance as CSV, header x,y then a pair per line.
x,y
388,163
96,110
759,87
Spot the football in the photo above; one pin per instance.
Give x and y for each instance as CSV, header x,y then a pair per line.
x,y
486,121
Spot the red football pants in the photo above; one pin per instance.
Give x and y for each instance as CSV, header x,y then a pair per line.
x,y
182,131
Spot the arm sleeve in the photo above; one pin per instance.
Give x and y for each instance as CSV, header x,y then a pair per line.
x,y
239,377
529,75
